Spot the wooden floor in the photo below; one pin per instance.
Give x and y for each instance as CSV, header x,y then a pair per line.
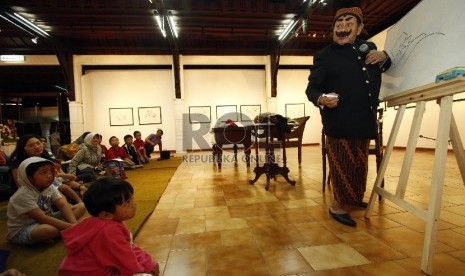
x,y
212,222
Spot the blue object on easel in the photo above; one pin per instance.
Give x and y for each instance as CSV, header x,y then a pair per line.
x,y
450,74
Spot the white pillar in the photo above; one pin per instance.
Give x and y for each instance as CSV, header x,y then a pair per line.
x,y
268,108
272,104
178,113
76,120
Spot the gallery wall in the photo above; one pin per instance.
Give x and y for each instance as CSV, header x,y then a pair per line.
x,y
123,93
291,93
221,90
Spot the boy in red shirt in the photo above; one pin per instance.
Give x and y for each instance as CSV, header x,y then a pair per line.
x,y
117,152
140,147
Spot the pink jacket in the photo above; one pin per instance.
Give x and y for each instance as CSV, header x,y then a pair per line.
x,y
102,247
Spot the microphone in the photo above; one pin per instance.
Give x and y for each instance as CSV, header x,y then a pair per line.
x,y
364,48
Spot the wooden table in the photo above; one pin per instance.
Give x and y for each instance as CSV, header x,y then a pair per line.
x,y
269,132
232,135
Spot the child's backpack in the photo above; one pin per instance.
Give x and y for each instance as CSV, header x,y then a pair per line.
x,y
114,168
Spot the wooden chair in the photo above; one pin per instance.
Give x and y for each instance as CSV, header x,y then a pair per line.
x,y
294,139
376,149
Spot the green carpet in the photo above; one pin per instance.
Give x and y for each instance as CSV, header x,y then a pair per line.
x,y
44,259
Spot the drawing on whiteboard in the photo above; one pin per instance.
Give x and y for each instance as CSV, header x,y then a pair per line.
x,y
406,44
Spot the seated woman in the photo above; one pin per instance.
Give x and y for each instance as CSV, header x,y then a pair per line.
x,y
27,146
87,158
30,145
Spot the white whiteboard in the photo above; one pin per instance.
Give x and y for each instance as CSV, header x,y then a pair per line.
x,y
425,42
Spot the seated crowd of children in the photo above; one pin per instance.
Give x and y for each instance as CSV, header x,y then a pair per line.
x,y
50,203
87,160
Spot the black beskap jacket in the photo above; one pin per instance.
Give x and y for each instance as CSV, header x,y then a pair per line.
x,y
338,68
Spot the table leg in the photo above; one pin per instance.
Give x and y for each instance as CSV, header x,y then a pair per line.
x,y
247,152
217,154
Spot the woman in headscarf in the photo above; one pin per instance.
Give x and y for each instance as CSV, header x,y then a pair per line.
x,y
87,158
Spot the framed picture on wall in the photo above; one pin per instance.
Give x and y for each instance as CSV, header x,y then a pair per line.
x,y
149,115
295,110
225,112
199,114
249,112
121,116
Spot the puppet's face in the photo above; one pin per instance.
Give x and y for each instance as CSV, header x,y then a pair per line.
x,y
346,29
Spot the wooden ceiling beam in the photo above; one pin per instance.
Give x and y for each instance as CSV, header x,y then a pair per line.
x,y
160,5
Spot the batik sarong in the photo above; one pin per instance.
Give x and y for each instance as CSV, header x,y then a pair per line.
x,y
348,165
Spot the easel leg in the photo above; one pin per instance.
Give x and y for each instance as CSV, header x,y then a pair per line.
x,y
458,147
410,150
437,182
386,157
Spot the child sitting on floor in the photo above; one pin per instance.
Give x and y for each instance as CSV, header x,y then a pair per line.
x,y
140,146
102,244
131,150
117,152
30,215
67,183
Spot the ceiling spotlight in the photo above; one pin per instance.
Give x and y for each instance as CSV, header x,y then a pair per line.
x,y
288,29
160,23
30,25
34,39
172,24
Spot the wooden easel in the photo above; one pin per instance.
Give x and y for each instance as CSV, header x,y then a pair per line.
x,y
443,93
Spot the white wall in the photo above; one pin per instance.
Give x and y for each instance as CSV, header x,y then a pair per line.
x,y
291,89
128,89
222,87
100,90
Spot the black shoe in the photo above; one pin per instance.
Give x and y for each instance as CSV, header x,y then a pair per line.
x,y
345,219
363,204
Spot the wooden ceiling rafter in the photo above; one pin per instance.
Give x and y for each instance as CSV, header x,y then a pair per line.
x,y
170,35
206,27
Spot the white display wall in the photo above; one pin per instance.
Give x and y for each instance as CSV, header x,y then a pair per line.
x,y
217,89
132,89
